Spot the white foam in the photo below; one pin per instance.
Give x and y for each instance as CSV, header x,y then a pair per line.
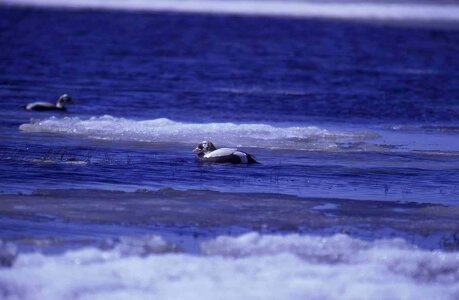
x,y
168,131
252,266
306,9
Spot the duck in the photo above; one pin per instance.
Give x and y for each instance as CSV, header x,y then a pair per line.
x,y
207,152
44,106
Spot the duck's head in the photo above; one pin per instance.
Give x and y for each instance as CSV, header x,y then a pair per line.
x,y
63,99
204,147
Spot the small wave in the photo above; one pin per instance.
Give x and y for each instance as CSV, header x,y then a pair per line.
x,y
251,266
438,153
262,91
65,162
167,131
433,128
411,12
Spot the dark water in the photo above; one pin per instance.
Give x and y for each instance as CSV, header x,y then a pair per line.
x,y
358,111
355,125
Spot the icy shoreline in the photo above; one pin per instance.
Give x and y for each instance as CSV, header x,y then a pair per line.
x,y
250,266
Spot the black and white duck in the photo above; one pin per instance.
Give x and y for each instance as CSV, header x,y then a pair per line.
x,y
206,152
45,106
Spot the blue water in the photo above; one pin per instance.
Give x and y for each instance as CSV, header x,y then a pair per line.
x,y
348,110
355,123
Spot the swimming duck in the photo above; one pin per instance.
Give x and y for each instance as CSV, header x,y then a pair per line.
x,y
41,106
206,152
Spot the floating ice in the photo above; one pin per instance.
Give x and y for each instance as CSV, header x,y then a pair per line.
x,y
167,131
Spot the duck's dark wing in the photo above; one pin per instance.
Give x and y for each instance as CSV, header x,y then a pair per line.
x,y
39,106
43,106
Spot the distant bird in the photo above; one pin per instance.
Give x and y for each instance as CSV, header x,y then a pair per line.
x,y
42,106
206,152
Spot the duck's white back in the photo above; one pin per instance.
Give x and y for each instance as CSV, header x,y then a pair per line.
x,y
220,152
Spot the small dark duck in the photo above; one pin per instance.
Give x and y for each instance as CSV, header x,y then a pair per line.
x,y
45,106
206,152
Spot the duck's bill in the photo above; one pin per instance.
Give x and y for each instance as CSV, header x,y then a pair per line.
x,y
197,150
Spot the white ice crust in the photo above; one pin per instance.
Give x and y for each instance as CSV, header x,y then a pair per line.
x,y
168,131
251,266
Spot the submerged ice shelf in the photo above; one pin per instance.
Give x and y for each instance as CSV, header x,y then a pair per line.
x,y
79,217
